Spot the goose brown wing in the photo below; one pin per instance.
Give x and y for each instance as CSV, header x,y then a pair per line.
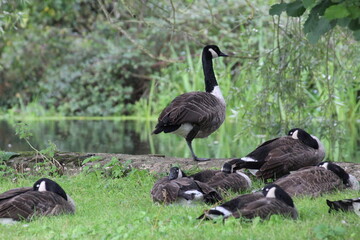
x,y
32,203
210,194
193,107
13,193
165,191
226,181
261,152
312,181
264,208
204,176
289,157
241,201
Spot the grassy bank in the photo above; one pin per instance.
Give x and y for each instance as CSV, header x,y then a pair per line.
x,y
122,209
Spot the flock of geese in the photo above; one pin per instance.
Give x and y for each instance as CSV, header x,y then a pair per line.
x,y
293,162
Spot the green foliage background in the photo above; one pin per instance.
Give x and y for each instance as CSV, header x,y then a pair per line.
x,y
112,58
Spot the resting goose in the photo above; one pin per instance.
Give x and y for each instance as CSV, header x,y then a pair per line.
x,y
277,157
220,180
270,201
346,205
46,197
196,114
316,180
177,187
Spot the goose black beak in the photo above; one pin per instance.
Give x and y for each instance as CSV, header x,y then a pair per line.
x,y
223,54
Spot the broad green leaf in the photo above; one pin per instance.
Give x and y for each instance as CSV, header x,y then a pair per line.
x,y
336,11
311,23
277,9
357,35
4,156
354,12
322,26
343,22
295,9
320,8
354,24
308,3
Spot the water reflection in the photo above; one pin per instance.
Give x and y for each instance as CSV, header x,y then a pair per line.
x,y
134,137
77,136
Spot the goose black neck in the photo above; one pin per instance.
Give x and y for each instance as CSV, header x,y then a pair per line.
x,y
340,172
307,139
210,80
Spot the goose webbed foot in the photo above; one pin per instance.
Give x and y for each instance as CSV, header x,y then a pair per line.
x,y
201,159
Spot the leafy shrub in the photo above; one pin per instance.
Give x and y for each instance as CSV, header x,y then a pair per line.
x,y
323,15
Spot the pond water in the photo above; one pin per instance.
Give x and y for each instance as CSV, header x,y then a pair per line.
x,y
134,137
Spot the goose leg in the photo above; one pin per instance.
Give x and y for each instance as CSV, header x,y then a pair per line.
x,y
191,135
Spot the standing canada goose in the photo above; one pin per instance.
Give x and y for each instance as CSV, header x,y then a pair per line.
x,y
316,180
46,197
196,114
277,157
346,205
178,187
220,180
271,200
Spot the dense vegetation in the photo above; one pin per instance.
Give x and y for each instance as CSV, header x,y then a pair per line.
x,y
323,15
82,57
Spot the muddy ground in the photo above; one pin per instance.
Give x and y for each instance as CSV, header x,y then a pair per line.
x,y
72,162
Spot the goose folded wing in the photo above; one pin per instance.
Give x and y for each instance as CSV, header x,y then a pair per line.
x,y
32,203
191,107
205,176
210,194
165,192
280,161
264,208
262,151
227,181
241,201
13,193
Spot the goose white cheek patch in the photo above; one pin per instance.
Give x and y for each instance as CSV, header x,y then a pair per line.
x,y
180,175
42,187
213,53
295,135
271,193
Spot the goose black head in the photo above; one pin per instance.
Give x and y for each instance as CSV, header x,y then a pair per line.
x,y
348,180
213,51
303,136
45,184
274,191
176,173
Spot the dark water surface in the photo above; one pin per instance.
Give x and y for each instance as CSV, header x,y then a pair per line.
x,y
77,136
342,143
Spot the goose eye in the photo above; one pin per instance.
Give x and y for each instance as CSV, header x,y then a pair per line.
x,y
38,185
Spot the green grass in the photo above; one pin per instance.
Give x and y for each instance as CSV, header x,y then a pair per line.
x,y
122,209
